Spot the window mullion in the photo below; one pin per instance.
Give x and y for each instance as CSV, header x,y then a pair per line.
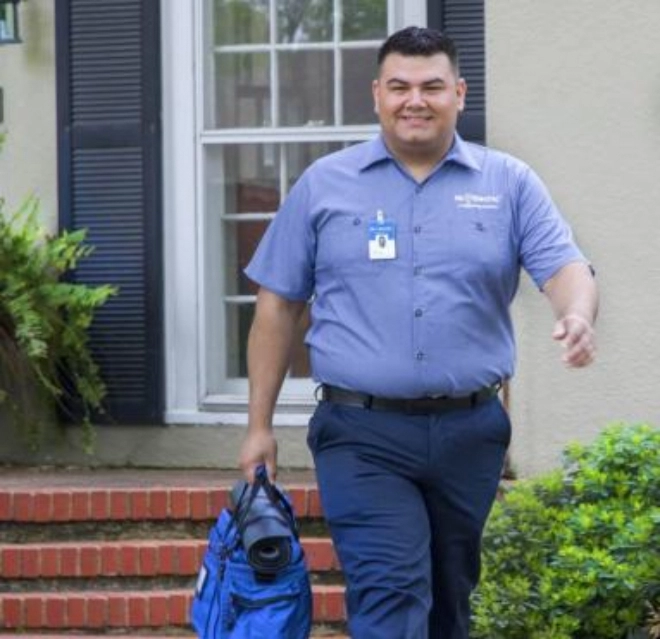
x,y
337,50
283,173
274,68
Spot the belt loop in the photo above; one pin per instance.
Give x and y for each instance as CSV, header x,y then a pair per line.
x,y
474,399
368,401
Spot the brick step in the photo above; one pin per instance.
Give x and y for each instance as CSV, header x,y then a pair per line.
x,y
320,634
128,558
127,503
128,609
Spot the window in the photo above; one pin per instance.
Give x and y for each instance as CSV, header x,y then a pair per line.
x,y
254,91
8,23
284,82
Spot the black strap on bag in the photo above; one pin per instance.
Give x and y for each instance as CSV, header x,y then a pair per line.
x,y
265,530
250,491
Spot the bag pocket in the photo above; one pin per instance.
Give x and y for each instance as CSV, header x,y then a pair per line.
x,y
205,608
277,609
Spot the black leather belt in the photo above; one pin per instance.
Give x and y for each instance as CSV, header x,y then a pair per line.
x,y
420,406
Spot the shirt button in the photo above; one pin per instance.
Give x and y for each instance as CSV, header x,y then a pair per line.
x,y
419,355
357,221
419,312
418,189
417,229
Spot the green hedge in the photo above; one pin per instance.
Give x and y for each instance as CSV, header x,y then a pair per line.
x,y
575,553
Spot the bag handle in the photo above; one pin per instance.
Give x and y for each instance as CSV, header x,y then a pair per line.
x,y
274,495
277,499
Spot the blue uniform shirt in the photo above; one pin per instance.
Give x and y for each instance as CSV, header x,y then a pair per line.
x,y
435,319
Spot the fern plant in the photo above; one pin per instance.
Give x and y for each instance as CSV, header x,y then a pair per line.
x,y
44,322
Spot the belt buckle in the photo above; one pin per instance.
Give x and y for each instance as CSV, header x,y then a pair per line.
x,y
420,406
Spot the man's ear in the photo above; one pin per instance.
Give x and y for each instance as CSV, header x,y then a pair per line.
x,y
375,89
461,92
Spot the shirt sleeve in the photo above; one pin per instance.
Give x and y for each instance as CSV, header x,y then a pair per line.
x,y
284,259
546,240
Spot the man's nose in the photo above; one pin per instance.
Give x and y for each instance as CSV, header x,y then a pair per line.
x,y
415,96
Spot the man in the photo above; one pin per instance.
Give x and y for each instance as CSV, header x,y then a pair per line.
x,y
410,338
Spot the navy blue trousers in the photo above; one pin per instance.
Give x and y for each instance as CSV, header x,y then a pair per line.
x,y
406,498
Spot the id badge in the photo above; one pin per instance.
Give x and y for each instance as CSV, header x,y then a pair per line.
x,y
382,239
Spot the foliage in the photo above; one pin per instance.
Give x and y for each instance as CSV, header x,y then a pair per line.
x,y
44,322
575,553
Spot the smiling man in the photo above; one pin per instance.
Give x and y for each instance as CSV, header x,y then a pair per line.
x,y
410,247
418,100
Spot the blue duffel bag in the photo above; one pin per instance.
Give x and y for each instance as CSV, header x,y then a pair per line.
x,y
253,582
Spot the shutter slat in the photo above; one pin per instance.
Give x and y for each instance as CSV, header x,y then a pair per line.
x,y
106,61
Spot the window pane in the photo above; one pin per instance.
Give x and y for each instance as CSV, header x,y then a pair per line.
x,y
306,88
364,20
251,177
240,21
242,179
304,21
7,16
242,90
241,239
359,71
239,320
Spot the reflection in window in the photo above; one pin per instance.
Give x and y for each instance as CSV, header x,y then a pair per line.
x,y
240,21
243,86
359,71
364,20
306,91
304,21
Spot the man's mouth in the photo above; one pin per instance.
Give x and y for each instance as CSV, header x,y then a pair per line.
x,y
413,119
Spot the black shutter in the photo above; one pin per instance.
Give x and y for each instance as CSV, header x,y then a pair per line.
x,y
108,81
463,20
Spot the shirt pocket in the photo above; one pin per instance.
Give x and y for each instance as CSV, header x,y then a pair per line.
x,y
343,249
478,243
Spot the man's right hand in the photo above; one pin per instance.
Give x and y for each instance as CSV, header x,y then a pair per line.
x,y
259,447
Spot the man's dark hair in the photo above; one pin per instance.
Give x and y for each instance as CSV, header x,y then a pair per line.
x,y
419,41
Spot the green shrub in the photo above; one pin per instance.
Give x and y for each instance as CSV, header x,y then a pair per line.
x,y
575,554
44,323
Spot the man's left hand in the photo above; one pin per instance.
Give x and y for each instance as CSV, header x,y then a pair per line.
x,y
578,338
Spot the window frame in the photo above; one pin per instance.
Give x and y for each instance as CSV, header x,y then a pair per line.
x,y
190,397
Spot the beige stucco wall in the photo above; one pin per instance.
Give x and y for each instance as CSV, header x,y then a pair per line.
x,y
574,89
28,162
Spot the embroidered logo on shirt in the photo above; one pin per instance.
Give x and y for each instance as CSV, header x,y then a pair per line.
x,y
475,201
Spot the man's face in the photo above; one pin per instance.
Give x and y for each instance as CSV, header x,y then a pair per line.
x,y
418,99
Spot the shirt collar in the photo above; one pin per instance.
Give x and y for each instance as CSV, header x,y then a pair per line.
x,y
462,153
376,151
